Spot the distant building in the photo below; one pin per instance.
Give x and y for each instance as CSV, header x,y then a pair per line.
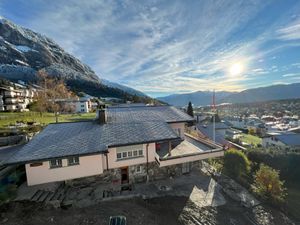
x,y
206,131
16,97
284,140
78,105
82,106
233,134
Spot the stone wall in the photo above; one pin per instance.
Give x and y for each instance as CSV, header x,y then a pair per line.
x,y
108,177
157,173
137,174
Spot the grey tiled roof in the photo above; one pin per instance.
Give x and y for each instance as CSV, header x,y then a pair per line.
x,y
147,113
7,152
83,138
208,131
289,139
126,126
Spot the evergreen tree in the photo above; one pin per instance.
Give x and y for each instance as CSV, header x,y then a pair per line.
x,y
190,110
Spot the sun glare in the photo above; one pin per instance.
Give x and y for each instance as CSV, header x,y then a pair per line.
x,y
236,69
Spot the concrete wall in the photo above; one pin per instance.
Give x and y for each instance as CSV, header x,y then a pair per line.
x,y
113,162
178,126
186,159
88,166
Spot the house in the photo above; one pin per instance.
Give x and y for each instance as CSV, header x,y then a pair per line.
x,y
83,105
206,130
233,134
16,98
282,140
11,174
123,145
78,105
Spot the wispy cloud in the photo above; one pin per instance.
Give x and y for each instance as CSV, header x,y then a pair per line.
x,y
291,75
291,32
158,47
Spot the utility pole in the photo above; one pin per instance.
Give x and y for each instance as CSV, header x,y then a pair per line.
x,y
214,116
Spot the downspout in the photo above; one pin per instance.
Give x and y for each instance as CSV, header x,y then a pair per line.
x,y
147,158
106,161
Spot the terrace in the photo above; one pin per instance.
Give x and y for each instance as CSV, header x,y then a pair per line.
x,y
188,150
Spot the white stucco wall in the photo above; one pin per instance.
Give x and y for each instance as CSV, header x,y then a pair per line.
x,y
176,126
88,166
113,162
82,106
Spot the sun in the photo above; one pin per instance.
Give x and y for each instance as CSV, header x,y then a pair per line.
x,y
236,68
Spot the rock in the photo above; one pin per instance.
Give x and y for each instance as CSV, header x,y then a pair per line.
x,y
55,204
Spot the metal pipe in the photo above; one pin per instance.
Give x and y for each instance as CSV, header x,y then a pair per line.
x,y
106,161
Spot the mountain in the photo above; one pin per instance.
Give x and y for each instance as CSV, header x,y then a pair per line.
x,y
123,87
24,52
274,92
197,98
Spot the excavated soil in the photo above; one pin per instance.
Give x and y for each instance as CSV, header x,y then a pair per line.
x,y
161,211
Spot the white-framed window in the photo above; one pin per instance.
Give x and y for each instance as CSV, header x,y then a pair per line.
x,y
73,161
128,152
119,155
55,163
138,169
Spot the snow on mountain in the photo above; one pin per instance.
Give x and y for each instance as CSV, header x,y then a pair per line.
x,y
24,52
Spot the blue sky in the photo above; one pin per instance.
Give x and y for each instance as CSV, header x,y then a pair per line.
x,y
165,47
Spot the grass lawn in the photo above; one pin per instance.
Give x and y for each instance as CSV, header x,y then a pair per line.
x,y
10,118
250,139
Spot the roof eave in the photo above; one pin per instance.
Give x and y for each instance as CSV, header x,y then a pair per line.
x,y
56,157
143,142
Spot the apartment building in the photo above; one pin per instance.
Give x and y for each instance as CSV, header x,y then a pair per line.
x,y
16,97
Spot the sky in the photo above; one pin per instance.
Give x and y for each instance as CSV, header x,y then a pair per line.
x,y
167,47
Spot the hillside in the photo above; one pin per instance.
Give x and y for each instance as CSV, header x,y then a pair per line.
x,y
197,98
274,92
123,87
24,52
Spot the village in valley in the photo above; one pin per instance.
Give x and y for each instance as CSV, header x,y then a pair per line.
x,y
184,132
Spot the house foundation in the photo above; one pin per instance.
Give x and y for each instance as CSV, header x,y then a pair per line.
x,y
138,174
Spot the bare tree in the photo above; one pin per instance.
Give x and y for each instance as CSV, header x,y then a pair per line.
x,y
53,91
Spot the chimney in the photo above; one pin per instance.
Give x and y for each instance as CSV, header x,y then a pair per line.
x,y
101,116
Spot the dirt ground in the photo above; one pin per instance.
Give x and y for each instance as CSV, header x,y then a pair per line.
x,y
158,211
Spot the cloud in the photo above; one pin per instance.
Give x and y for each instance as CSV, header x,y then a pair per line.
x,y
155,46
291,32
291,75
